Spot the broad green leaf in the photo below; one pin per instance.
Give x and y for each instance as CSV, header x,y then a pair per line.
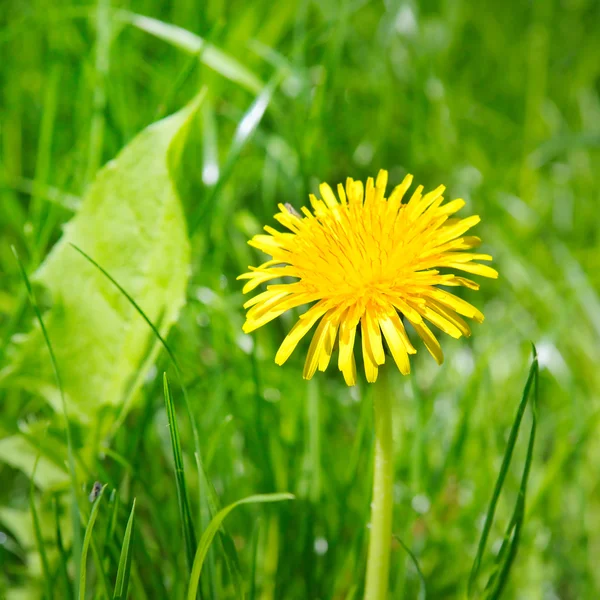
x,y
213,528
131,222
20,453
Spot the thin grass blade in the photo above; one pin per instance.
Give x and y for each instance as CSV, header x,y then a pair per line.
x,y
510,544
39,540
75,514
63,557
243,133
124,569
87,538
422,585
189,42
512,439
185,514
213,528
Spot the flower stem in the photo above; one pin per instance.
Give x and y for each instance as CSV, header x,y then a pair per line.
x,y
378,561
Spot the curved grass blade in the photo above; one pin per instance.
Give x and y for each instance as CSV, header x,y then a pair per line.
x,y
185,513
190,415
75,514
243,133
520,507
422,585
510,544
189,42
86,542
213,528
39,540
63,557
159,337
122,583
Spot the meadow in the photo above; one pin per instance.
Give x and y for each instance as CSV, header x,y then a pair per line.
x,y
142,144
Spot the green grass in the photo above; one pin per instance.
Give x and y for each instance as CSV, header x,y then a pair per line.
x,y
500,103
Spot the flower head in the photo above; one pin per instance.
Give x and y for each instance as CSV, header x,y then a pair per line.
x,y
370,261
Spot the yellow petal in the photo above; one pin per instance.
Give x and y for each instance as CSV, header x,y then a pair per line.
x,y
328,195
462,281
457,304
408,311
299,330
370,364
347,335
430,341
355,195
342,193
399,191
267,243
265,304
349,371
476,269
262,297
369,192
449,232
452,207
329,342
316,348
372,334
451,316
463,257
439,321
395,344
282,304
399,326
381,184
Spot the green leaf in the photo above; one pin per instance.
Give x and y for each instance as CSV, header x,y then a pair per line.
x,y
19,452
131,222
86,542
122,583
213,528
512,536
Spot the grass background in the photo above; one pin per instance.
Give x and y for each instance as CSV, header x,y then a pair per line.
x,y
501,103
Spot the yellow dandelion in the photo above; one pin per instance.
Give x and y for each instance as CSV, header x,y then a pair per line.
x,y
370,261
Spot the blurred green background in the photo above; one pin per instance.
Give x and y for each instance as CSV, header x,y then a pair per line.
x,y
498,101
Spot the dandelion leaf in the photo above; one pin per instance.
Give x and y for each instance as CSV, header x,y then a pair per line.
x,y
131,223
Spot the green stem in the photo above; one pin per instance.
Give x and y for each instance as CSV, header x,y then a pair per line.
x,y
378,561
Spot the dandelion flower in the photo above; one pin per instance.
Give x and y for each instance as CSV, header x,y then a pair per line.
x,y
367,261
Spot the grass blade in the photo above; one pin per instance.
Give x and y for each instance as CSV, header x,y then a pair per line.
x,y
510,544
189,42
75,514
87,538
422,585
518,515
185,513
39,540
213,528
63,558
122,583
243,133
